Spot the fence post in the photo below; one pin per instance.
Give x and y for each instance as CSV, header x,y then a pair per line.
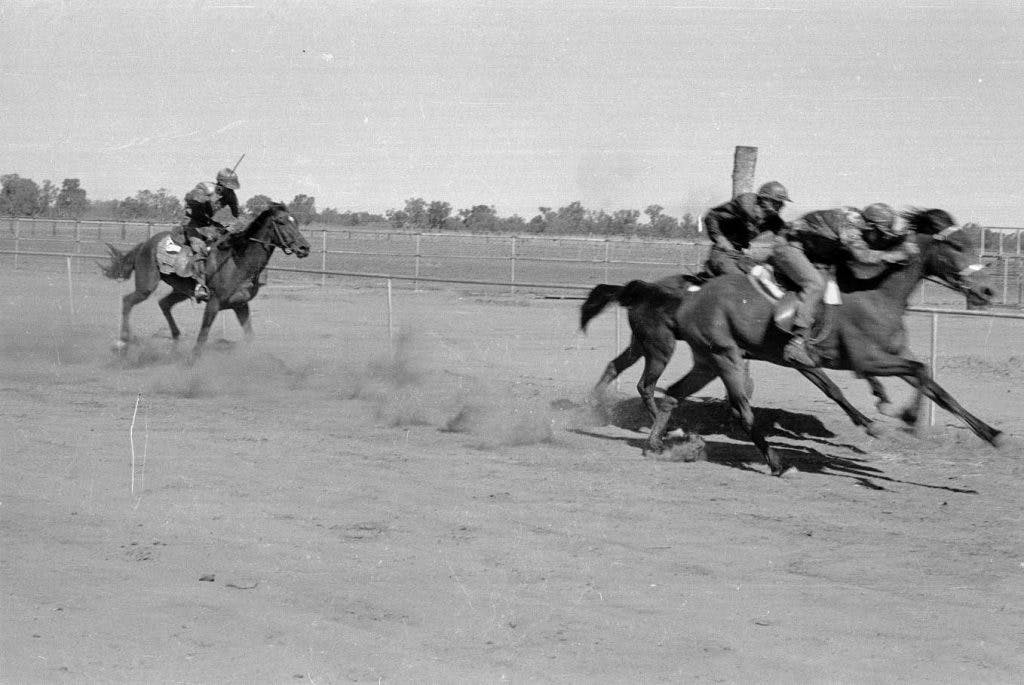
x,y
16,230
512,280
607,258
323,257
1006,277
416,265
981,243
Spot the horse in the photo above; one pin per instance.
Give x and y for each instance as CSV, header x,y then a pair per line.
x,y
727,321
233,272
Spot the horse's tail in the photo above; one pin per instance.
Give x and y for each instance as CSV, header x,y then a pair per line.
x,y
597,299
122,264
629,295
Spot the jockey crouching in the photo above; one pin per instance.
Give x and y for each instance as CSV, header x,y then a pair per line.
x,y
812,246
201,204
732,225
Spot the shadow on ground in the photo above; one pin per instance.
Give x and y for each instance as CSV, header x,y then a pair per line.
x,y
705,417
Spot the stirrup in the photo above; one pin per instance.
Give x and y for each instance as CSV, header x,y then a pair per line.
x,y
202,293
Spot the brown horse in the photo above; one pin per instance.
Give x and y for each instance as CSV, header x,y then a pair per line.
x,y
233,272
728,321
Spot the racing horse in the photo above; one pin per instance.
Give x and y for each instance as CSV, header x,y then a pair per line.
x,y
233,272
727,321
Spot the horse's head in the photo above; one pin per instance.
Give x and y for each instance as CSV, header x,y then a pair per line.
x,y
277,227
948,254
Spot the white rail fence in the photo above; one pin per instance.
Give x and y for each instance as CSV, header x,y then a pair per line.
x,y
527,263
523,263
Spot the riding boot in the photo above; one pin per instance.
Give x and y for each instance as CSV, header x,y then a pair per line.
x,y
798,351
202,293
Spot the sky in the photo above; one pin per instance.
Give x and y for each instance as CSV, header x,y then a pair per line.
x,y
516,104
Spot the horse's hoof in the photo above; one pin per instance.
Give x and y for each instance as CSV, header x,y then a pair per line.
x,y
119,346
886,409
780,472
875,429
999,440
654,450
908,417
774,463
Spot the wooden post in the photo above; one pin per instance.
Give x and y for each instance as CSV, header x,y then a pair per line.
x,y
743,165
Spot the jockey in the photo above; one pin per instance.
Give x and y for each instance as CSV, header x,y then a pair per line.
x,y
732,225
201,204
820,240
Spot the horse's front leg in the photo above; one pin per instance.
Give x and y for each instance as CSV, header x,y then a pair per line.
x,y
244,320
927,387
731,371
209,314
825,384
884,404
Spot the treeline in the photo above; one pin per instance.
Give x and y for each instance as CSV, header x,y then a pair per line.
x,y
573,219
21,196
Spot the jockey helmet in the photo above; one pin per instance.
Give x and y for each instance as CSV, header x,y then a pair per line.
x,y
882,217
228,178
773,190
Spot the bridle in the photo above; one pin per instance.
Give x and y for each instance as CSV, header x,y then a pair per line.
x,y
959,282
277,240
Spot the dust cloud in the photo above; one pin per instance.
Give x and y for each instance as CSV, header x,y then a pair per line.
x,y
406,385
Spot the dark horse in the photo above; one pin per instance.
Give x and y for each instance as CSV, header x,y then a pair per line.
x,y
233,271
727,321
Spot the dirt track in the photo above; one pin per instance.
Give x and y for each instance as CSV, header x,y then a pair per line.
x,y
317,508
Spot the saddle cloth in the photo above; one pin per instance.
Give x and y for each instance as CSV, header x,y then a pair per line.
x,y
172,258
762,277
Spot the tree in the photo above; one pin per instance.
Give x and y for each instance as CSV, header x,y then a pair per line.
x,y
256,204
624,221
303,208
71,200
397,218
47,197
18,196
479,218
661,225
149,206
416,211
437,214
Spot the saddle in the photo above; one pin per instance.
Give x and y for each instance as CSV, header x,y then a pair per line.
x,y
174,258
762,277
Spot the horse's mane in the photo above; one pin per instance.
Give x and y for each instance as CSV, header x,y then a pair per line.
x,y
927,221
233,239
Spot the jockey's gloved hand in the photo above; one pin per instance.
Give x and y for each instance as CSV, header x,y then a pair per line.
x,y
899,256
746,262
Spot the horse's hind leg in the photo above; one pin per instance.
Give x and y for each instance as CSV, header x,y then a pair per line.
x,y
702,373
127,302
166,302
626,359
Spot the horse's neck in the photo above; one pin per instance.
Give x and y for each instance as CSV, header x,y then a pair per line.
x,y
902,281
251,256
